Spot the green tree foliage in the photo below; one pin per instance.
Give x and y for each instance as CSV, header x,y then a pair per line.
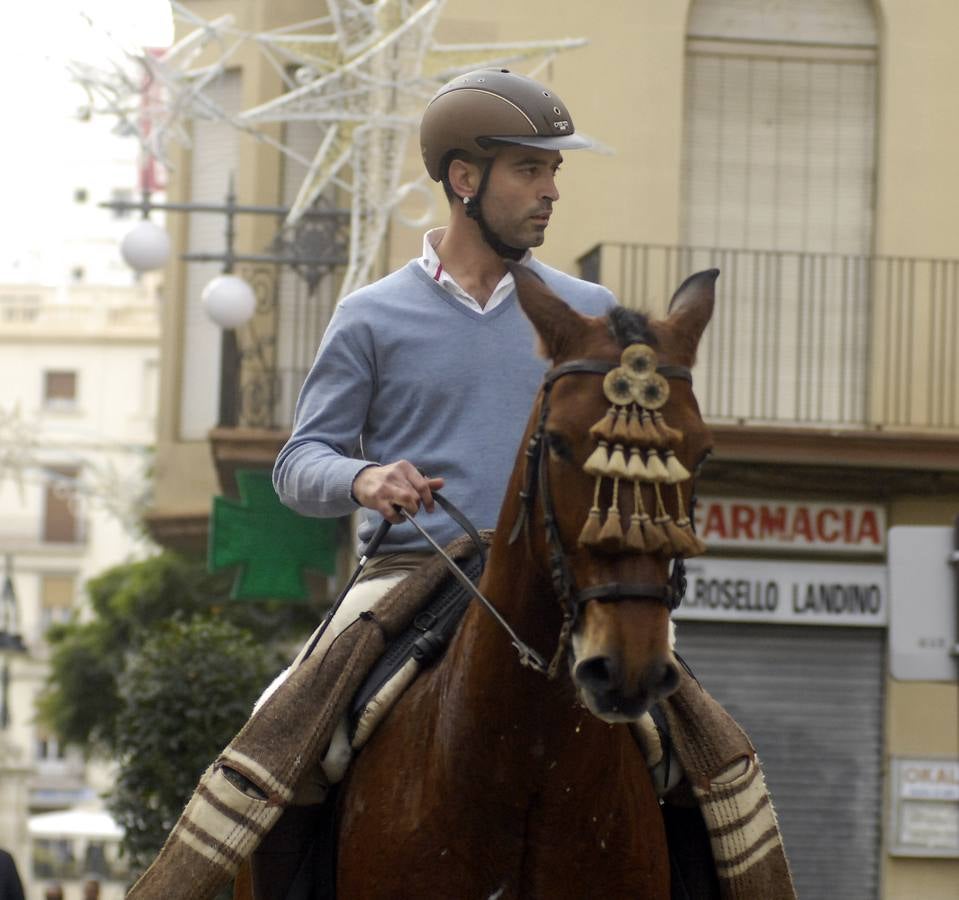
x,y
183,698
159,678
88,658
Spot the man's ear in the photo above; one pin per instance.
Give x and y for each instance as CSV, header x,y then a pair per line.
x,y
464,177
555,322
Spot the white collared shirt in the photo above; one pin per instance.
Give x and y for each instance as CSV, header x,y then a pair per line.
x,y
434,268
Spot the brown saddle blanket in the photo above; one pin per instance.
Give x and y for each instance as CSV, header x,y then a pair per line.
x,y
242,795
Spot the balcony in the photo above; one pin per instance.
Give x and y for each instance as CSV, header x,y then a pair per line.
x,y
826,359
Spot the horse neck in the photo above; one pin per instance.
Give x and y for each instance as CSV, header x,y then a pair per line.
x,y
521,591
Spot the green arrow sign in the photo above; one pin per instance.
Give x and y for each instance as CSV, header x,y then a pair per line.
x,y
269,542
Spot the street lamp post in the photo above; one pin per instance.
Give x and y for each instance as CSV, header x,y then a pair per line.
x,y
311,251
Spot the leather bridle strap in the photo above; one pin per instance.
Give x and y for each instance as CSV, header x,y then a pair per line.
x,y
537,478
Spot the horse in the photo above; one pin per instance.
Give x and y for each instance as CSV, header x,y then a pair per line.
x,y
487,779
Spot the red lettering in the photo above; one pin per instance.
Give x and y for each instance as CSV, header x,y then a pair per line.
x,y
715,523
827,536
772,522
744,518
869,528
802,524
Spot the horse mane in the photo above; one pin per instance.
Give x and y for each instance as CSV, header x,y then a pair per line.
x,y
630,327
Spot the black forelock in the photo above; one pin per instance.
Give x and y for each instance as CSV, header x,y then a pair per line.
x,y
630,327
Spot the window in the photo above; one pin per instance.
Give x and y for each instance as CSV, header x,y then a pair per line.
x,y
60,522
59,389
78,273
49,748
80,195
56,600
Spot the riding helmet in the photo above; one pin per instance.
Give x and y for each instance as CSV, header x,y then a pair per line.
x,y
481,110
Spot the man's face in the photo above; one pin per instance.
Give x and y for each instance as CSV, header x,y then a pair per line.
x,y
520,194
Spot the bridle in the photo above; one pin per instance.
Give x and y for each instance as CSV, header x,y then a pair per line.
x,y
536,481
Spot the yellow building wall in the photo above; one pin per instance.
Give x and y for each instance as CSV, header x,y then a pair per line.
x,y
624,88
921,719
917,187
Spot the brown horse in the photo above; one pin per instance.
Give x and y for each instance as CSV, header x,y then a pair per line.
x,y
489,780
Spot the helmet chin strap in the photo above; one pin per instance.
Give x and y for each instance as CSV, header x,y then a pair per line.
x,y
474,211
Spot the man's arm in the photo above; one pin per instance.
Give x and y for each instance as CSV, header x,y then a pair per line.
x,y
318,472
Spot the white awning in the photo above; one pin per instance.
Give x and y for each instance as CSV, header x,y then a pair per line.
x,y
74,823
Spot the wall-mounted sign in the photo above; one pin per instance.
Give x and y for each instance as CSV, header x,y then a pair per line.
x,y
923,595
790,525
925,807
789,592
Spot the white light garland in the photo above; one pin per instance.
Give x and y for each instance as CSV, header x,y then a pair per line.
x,y
362,74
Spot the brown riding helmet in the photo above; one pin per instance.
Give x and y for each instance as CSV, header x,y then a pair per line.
x,y
481,110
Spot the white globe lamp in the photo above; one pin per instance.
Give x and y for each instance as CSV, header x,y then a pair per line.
x,y
229,301
145,247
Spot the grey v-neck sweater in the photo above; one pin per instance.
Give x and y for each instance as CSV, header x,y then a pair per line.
x,y
405,371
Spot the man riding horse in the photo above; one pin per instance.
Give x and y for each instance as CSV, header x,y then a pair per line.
x,y
424,381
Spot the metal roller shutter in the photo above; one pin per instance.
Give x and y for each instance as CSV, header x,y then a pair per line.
x,y
811,701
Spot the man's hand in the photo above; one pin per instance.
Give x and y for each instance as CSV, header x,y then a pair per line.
x,y
381,488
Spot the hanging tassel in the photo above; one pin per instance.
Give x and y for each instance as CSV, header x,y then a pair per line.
x,y
654,465
611,536
672,437
653,536
598,461
616,467
589,536
634,432
620,429
675,469
697,546
634,536
678,541
652,436
635,468
603,429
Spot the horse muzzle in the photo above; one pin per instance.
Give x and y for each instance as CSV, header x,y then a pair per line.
x,y
611,696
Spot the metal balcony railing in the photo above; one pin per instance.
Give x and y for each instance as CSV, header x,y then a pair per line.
x,y
809,339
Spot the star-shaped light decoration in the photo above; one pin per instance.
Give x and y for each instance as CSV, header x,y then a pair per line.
x,y
368,106
362,74
154,93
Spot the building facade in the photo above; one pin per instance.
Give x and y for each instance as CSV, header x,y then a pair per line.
x,y
805,150
78,396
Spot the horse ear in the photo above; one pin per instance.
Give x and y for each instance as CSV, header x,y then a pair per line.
x,y
692,304
555,322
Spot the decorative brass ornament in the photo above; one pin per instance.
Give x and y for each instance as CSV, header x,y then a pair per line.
x,y
651,392
639,359
636,447
618,386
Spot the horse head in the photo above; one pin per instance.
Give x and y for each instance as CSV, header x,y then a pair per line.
x,y
611,452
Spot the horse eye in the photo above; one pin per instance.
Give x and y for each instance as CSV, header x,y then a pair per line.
x,y
558,446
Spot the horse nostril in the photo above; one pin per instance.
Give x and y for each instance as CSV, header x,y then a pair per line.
x,y
662,678
597,673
